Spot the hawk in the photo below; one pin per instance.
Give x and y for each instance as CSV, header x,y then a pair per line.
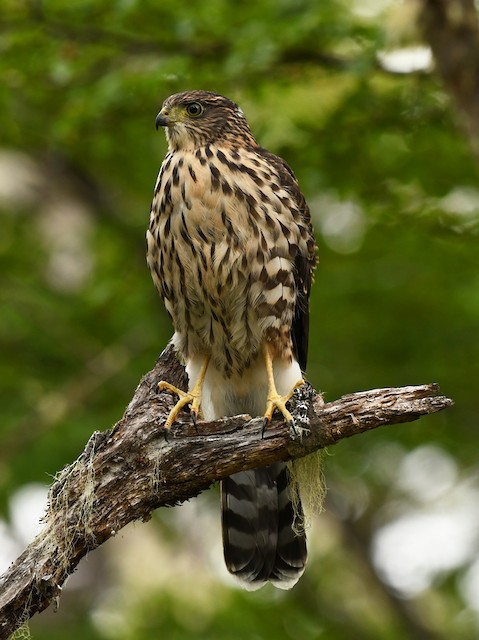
x,y
231,251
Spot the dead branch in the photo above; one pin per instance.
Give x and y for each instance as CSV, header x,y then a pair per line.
x,y
125,473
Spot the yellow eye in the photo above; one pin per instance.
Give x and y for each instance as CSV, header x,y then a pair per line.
x,y
194,109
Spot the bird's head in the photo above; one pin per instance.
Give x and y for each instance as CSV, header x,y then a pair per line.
x,y
196,118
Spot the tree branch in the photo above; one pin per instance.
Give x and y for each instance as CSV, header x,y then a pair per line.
x,y
129,471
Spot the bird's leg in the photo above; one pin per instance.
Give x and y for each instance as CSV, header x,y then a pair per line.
x,y
274,400
192,397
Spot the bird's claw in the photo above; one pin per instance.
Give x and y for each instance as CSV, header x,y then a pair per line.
x,y
185,397
275,401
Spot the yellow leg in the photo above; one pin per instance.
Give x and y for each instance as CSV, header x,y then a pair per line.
x,y
275,401
192,397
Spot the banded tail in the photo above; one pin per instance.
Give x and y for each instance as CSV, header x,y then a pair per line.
x,y
259,542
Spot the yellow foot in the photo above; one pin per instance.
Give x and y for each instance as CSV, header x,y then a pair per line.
x,y
192,397
275,401
185,397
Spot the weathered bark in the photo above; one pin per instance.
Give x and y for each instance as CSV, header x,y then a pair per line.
x,y
125,473
451,27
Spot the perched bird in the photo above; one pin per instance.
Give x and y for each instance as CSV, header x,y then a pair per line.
x,y
231,251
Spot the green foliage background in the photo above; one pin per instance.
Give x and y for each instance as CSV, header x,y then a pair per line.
x,y
393,189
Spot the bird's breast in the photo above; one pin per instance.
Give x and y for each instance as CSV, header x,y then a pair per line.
x,y
221,247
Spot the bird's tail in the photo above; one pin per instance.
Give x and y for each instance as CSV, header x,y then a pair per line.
x,y
261,538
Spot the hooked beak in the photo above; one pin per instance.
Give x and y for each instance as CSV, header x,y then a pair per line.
x,y
162,120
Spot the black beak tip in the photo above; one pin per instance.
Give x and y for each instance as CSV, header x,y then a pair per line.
x,y
160,121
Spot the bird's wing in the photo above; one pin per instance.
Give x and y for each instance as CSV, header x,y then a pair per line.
x,y
304,263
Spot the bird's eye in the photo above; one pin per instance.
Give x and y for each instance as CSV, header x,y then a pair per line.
x,y
194,109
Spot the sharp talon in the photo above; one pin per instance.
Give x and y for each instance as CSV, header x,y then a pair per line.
x,y
194,419
193,397
165,435
275,401
292,427
263,428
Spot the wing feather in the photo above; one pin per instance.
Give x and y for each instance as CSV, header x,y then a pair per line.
x,y
304,263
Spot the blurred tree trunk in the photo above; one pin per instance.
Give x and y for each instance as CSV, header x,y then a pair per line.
x,y
451,27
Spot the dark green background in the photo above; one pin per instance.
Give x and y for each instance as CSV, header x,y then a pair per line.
x,y
393,190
